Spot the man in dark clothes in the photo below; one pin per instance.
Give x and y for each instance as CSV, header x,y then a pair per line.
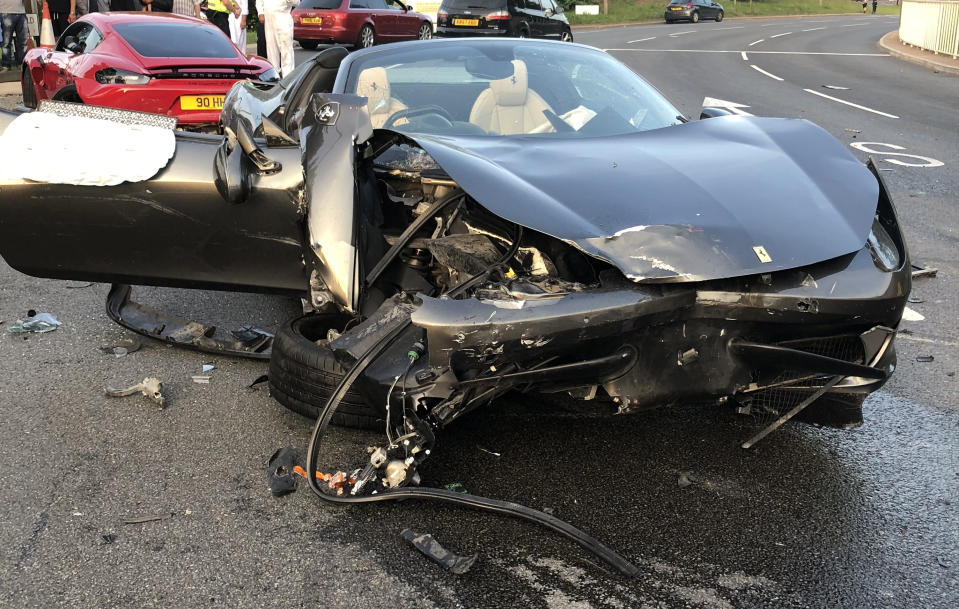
x,y
874,3
260,33
122,5
218,13
62,12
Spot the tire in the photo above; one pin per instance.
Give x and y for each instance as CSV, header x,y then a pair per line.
x,y
26,85
523,33
68,94
426,31
303,374
566,36
719,16
695,17
367,37
309,45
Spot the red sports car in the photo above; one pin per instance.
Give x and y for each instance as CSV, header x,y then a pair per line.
x,y
361,23
151,62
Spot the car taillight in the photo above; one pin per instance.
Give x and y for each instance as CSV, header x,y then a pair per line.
x,y
117,76
442,18
497,16
333,17
690,5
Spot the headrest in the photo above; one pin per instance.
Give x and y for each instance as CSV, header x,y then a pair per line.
x,y
511,91
375,87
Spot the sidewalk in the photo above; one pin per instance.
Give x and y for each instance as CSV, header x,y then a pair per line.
x,y
941,63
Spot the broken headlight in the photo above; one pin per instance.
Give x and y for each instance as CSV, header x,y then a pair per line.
x,y
115,76
883,249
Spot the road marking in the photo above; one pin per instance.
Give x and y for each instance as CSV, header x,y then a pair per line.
x,y
852,24
734,107
762,71
813,29
783,34
849,103
868,147
681,33
920,339
757,42
745,57
640,40
635,50
735,27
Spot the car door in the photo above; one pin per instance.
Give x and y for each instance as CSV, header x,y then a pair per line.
x,y
384,20
407,24
534,12
552,27
710,9
173,229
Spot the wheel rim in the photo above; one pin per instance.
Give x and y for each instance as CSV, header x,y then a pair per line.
x,y
523,34
719,17
366,38
426,32
567,37
695,17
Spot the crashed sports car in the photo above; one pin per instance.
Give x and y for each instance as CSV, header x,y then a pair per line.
x,y
469,217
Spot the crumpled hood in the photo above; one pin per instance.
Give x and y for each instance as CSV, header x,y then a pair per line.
x,y
703,200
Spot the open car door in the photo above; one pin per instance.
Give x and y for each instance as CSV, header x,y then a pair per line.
x,y
213,215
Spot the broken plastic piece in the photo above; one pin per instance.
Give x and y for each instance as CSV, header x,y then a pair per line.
x,y
456,487
425,543
852,130
208,368
202,379
150,387
260,379
684,480
122,347
38,323
924,359
280,469
922,271
142,519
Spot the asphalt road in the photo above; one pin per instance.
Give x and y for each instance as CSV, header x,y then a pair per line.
x,y
812,518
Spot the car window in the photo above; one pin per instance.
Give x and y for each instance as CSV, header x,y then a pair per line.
x,y
395,5
534,5
321,4
359,4
467,4
176,39
83,34
548,5
377,5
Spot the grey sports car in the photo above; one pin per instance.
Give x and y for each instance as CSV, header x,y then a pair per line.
x,y
469,217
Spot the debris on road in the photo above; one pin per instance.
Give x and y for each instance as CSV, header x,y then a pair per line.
x,y
122,347
912,315
488,451
852,130
143,519
108,538
260,379
280,468
684,480
36,323
202,379
924,359
208,368
150,387
923,271
456,487
80,286
914,300
425,543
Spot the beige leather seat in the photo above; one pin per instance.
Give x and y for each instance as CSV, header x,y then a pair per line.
x,y
509,106
375,87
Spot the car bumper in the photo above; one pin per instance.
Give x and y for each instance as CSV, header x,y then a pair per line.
x,y
324,34
462,32
683,14
161,96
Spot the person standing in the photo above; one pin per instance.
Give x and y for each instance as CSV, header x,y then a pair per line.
x,y
190,8
218,12
278,27
874,3
238,26
122,5
62,12
260,32
15,33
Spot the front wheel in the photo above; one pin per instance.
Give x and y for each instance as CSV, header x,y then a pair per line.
x,y
524,33
566,36
367,37
29,93
719,16
695,17
426,31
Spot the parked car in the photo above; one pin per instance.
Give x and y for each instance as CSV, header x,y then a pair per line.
x,y
361,23
519,18
693,10
151,62
530,215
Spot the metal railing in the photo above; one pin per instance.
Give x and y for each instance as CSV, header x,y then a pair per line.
x,y
931,24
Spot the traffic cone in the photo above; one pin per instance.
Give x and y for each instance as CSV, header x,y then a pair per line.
x,y
46,29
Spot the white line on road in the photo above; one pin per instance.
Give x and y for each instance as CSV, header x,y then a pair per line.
x,y
762,71
783,34
921,339
735,27
681,33
757,42
640,40
848,103
635,50
745,57
813,29
852,24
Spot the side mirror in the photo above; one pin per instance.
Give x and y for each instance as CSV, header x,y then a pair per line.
x,y
409,8
713,113
548,12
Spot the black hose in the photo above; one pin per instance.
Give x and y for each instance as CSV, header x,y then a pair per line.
x,y
492,505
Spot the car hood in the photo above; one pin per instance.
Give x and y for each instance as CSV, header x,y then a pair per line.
x,y
710,199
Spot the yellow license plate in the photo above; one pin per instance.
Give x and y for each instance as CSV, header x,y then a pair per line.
x,y
675,8
202,102
313,20
472,22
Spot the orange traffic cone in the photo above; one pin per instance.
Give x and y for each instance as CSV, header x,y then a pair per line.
x,y
46,29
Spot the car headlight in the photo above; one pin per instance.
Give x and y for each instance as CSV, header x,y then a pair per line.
x,y
115,76
884,251
268,75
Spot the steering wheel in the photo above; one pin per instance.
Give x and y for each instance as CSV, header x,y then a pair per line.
x,y
409,113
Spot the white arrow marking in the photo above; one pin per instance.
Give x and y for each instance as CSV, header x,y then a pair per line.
x,y
712,102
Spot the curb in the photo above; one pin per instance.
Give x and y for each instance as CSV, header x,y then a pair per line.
x,y
926,59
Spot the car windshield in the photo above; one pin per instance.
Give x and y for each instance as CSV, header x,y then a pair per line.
x,y
506,88
463,4
176,40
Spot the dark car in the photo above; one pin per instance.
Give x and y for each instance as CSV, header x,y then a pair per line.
x,y
530,216
150,62
361,23
693,10
519,18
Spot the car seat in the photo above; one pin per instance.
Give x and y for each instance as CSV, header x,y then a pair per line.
x,y
509,106
374,85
